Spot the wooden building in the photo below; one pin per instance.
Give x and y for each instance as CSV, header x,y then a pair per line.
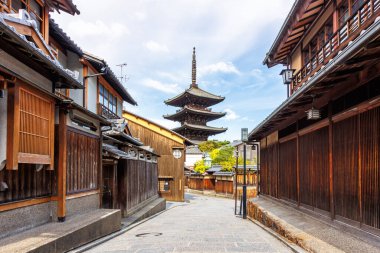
x,y
195,112
327,159
170,146
55,103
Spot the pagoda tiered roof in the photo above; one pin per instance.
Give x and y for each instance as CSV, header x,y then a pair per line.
x,y
180,114
194,95
203,128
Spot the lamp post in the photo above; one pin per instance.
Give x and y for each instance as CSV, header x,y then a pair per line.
x,y
244,139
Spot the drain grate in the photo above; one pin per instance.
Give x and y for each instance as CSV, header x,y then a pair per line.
x,y
148,234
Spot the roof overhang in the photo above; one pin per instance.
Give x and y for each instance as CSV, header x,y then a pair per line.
x,y
63,5
110,77
285,110
302,14
23,50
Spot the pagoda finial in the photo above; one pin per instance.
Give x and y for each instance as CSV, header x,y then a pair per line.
x,y
194,71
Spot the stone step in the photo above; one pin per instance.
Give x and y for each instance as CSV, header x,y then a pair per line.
x,y
55,237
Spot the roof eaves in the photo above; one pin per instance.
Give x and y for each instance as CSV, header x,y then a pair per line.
x,y
111,77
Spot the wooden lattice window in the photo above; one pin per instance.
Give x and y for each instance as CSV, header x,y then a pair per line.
x,y
30,127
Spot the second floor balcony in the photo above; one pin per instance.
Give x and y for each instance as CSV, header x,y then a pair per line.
x,y
106,113
360,20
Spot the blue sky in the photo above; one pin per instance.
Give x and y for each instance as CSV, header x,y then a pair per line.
x,y
155,38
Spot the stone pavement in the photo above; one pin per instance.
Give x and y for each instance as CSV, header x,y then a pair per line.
x,y
205,224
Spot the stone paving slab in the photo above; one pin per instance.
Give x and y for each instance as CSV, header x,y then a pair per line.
x,y
315,235
62,236
206,224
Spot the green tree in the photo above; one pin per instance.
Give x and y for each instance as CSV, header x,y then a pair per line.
x,y
200,166
224,156
208,146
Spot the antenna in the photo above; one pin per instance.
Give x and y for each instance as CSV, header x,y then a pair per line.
x,y
121,77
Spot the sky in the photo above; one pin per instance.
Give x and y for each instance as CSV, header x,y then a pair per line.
x,y
155,39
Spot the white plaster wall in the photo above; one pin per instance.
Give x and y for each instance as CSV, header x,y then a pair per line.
x,y
74,64
119,107
191,159
26,72
62,58
3,127
92,92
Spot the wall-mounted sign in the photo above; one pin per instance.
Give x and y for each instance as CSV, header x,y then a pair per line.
x,y
177,153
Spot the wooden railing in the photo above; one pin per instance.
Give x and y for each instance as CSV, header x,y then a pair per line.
x,y
107,113
347,32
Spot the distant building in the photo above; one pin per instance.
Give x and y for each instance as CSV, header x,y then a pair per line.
x,y
170,146
195,112
193,154
251,153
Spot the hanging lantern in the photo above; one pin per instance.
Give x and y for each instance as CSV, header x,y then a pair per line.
x,y
313,114
287,75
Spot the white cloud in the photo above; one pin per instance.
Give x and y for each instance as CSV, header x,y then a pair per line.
x,y
156,47
166,123
97,28
231,115
164,87
220,67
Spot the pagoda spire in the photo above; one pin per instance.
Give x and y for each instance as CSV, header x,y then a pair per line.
x,y
194,71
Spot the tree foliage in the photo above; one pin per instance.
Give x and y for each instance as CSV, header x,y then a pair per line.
x,y
200,167
209,146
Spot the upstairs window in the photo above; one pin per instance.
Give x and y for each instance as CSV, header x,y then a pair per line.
x,y
344,13
107,99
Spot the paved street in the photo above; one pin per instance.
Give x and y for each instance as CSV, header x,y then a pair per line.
x,y
205,224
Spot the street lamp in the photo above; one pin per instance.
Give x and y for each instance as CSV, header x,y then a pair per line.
x,y
244,139
287,77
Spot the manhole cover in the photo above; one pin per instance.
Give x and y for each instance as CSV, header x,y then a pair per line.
x,y
148,234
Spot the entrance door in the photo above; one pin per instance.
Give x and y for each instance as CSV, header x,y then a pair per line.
x,y
109,182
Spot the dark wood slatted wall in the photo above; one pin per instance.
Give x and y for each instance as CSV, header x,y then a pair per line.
x,y
345,164
224,187
288,170
370,161
196,183
263,171
306,169
25,183
137,182
320,160
82,162
272,169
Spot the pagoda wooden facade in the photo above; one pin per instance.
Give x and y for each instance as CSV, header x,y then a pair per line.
x,y
329,164
195,112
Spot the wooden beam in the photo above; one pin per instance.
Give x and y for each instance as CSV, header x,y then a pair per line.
x,y
298,168
362,59
13,127
25,203
34,158
62,169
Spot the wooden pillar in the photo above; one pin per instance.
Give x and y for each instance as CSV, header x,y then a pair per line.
x,y
62,155
100,169
335,17
331,169
13,127
114,185
360,197
85,86
298,168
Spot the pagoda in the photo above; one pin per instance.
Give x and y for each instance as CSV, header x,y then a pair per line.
x,y
194,112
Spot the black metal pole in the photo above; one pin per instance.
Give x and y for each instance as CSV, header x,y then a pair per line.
x,y
245,184
236,172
